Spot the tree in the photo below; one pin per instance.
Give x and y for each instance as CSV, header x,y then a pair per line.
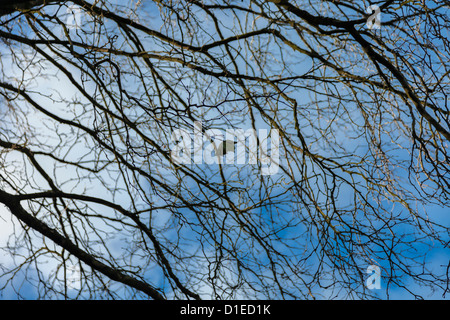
x,y
92,93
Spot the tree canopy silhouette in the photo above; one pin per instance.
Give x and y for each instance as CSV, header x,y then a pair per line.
x,y
92,91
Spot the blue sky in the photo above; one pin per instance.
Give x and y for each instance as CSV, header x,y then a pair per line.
x,y
249,178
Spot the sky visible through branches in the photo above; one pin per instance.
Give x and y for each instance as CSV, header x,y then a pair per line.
x,y
94,206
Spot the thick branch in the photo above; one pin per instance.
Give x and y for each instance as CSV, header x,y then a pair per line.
x,y
8,6
20,213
